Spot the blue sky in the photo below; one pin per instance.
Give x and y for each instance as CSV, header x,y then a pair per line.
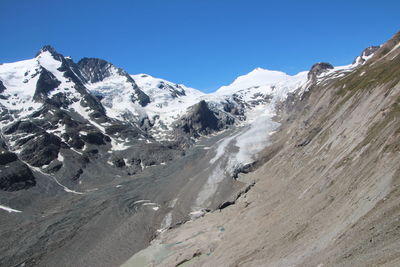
x,y
202,43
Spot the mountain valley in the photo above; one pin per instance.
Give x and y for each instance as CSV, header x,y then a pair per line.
x,y
99,167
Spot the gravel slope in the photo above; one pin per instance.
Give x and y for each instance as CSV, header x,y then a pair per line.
x,y
327,189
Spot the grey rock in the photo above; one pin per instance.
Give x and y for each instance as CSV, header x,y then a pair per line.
x,y
7,157
124,131
2,87
41,150
366,53
200,120
21,127
119,163
96,138
45,84
153,154
317,69
96,70
16,175
51,50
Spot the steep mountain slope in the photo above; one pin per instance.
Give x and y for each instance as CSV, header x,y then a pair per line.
x,y
95,163
326,190
83,143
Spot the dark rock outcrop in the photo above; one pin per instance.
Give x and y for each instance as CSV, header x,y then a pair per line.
x,y
14,174
96,138
2,87
41,150
124,131
203,120
52,51
21,127
317,69
370,50
73,139
7,157
151,154
200,120
234,108
96,70
366,53
119,163
45,84
175,92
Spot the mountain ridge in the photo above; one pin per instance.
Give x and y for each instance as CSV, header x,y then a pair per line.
x,y
106,172
324,192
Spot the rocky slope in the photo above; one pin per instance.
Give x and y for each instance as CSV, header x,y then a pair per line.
x,y
95,163
326,189
55,111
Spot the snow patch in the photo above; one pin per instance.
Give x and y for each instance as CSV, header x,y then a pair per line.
x,y
141,201
9,209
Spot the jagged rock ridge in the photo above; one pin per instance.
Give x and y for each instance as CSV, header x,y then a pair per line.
x,y
109,156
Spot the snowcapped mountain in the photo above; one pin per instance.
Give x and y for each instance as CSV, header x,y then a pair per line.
x,y
168,102
115,88
264,78
260,86
160,90
62,118
87,144
102,93
97,95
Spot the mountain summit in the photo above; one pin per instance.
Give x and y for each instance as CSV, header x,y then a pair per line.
x,y
273,169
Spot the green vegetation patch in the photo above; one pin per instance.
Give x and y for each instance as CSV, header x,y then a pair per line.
x,y
383,72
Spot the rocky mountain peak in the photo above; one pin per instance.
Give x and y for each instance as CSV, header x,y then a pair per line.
x,y
200,120
317,69
79,145
95,71
52,51
370,50
366,54
47,48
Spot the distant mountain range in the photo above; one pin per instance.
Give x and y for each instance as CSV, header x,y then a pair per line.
x,y
87,149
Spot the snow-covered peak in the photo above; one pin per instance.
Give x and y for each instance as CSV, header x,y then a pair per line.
x,y
47,60
263,77
159,89
47,48
168,102
19,79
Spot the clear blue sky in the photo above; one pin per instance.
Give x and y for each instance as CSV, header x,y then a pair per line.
x,y
202,43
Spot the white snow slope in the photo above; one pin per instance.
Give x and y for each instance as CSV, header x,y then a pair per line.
x,y
167,106
168,101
